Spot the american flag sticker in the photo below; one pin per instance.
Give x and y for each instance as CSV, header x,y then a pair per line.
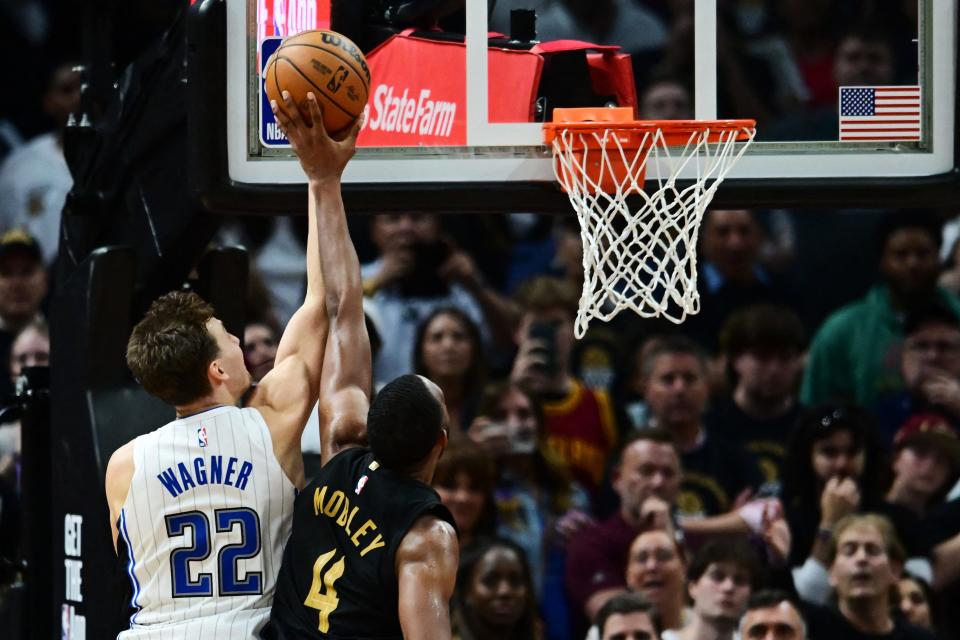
x,y
202,436
879,113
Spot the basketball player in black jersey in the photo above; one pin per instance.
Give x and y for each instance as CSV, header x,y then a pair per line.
x,y
373,553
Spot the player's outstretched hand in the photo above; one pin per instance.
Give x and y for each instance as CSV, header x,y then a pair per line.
x,y
321,156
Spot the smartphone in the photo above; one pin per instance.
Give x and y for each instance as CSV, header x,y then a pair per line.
x,y
545,333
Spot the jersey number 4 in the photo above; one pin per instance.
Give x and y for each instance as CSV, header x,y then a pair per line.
x,y
228,583
326,602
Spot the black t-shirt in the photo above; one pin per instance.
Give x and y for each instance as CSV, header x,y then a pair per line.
x,y
338,578
764,439
827,623
713,475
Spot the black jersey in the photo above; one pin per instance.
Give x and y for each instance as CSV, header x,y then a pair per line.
x,y
338,578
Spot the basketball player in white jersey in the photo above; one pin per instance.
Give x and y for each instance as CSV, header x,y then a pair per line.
x,y
201,508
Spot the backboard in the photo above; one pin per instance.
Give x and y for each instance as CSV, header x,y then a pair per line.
x,y
855,104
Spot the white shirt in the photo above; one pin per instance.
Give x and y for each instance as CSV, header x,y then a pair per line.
x,y
34,183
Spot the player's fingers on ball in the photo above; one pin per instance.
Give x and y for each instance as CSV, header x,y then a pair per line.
x,y
315,111
293,111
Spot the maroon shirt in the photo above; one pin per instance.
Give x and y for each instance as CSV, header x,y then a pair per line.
x,y
597,559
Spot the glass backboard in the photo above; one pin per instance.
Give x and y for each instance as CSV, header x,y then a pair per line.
x,y
853,98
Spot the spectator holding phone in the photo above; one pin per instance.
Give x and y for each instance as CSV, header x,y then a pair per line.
x,y
580,423
418,271
538,505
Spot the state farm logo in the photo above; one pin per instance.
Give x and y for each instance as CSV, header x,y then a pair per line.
x,y
403,114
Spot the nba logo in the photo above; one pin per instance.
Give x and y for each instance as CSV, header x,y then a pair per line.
x,y
361,484
202,436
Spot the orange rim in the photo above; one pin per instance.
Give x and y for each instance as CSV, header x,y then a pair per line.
x,y
620,120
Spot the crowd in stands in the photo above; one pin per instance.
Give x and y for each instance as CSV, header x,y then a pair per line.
x,y
783,465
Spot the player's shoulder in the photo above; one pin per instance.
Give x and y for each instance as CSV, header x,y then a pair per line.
x,y
121,466
430,538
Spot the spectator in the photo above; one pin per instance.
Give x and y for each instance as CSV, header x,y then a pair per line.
x,y
862,557
719,580
449,351
464,479
914,601
656,569
926,465
863,57
856,353
419,271
665,98
772,615
494,596
731,276
31,348
23,286
647,480
716,474
259,348
835,470
539,506
930,369
763,348
580,422
628,616
34,178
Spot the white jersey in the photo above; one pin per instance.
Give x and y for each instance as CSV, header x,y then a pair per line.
x,y
205,522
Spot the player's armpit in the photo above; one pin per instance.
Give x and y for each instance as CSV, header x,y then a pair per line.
x,y
427,570
119,473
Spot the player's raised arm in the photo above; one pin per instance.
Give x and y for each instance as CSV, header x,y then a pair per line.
x,y
346,377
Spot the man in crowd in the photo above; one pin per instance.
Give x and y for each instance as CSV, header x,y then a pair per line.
x,y
863,573
930,368
580,422
419,271
772,615
716,473
763,347
731,276
34,178
719,581
627,616
856,353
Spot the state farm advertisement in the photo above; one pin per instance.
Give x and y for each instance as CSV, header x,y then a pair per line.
x,y
418,92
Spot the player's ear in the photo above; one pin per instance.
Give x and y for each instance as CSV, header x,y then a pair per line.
x,y
216,372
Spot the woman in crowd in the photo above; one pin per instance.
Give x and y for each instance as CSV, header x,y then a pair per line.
x,y
657,568
538,505
494,598
914,601
464,479
448,350
836,468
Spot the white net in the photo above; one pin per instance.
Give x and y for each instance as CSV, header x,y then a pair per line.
x,y
641,257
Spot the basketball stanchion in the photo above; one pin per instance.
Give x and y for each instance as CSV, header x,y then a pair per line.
x,y
639,217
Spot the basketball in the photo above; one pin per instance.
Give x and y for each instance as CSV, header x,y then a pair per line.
x,y
329,65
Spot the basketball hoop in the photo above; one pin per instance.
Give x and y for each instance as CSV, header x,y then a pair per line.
x,y
641,258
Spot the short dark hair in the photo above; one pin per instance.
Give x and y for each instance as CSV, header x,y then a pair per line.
x,y
403,423
649,434
934,313
672,344
920,219
733,551
170,348
625,603
762,327
768,598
